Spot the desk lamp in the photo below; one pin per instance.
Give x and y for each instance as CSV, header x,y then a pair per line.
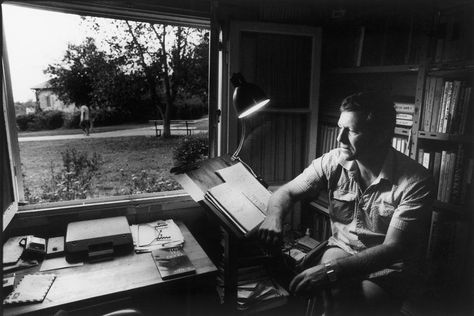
x,y
248,98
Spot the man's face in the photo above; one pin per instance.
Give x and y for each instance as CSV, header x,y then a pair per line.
x,y
353,137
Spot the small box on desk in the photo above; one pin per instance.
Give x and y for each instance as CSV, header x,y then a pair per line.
x,y
98,239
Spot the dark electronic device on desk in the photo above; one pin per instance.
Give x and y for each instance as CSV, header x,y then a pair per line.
x,y
98,239
34,247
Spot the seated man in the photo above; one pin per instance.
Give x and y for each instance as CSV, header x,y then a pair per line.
x,y
380,209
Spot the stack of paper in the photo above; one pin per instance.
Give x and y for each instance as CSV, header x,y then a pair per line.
x,y
156,235
260,295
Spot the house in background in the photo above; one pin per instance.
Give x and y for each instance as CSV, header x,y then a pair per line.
x,y
46,99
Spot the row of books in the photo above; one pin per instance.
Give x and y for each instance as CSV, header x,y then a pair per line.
x,y
446,105
401,144
452,171
404,114
327,138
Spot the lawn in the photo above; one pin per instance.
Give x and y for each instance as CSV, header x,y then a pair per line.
x,y
135,154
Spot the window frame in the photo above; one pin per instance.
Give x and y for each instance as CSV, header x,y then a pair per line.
x,y
141,11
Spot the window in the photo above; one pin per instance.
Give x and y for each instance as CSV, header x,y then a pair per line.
x,y
128,66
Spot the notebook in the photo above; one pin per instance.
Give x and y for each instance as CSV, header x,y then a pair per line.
x,y
172,262
32,288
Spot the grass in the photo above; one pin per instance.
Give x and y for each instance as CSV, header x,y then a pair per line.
x,y
132,154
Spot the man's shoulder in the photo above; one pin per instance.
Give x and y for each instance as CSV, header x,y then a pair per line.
x,y
331,160
407,169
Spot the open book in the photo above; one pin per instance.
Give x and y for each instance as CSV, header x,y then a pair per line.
x,y
241,198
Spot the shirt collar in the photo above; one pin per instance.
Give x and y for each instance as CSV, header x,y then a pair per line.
x,y
385,173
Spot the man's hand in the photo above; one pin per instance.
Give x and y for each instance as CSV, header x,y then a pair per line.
x,y
309,281
270,231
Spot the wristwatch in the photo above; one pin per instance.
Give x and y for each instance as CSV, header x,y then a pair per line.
x,y
330,272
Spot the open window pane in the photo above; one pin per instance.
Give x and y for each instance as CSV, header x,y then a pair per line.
x,y
91,97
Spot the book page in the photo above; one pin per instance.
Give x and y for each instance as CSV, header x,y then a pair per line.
x,y
237,205
242,180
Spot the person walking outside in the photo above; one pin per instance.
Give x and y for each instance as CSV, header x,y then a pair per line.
x,y
85,123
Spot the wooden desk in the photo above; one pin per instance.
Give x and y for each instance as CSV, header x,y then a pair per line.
x,y
111,279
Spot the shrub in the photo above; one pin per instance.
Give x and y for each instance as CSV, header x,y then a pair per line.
x,y
73,181
23,120
53,119
144,183
40,121
71,120
191,149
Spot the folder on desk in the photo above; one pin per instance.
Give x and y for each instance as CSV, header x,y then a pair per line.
x,y
31,289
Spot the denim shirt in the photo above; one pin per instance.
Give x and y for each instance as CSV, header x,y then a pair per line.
x,y
401,197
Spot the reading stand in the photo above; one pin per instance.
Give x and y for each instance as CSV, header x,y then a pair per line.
x,y
197,179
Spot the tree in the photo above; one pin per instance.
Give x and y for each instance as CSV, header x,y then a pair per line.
x,y
160,62
173,69
87,75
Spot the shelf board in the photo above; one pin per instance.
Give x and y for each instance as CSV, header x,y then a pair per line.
x,y
375,69
451,68
446,137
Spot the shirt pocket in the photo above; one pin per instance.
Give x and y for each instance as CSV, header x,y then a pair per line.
x,y
342,206
382,214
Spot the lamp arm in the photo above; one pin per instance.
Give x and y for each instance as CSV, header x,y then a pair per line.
x,y
235,155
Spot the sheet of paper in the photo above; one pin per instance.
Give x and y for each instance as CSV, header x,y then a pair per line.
x,y
155,235
12,250
57,263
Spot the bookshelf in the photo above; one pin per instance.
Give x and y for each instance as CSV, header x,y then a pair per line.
x,y
434,71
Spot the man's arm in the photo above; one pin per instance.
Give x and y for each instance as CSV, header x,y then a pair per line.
x,y
279,205
393,249
401,242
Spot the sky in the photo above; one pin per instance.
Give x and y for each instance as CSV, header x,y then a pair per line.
x,y
35,39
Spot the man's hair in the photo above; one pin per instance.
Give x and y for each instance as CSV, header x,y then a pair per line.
x,y
378,109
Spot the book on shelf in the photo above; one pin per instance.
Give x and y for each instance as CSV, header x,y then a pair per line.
x,y
428,103
446,103
404,123
404,116
404,107
437,96
400,144
172,262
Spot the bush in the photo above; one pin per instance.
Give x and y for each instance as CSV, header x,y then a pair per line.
x,y
191,149
40,121
53,119
73,181
22,121
72,120
145,183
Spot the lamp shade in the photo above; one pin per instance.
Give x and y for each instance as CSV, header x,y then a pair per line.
x,y
247,97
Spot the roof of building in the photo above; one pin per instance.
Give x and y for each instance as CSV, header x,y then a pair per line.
x,y
43,85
